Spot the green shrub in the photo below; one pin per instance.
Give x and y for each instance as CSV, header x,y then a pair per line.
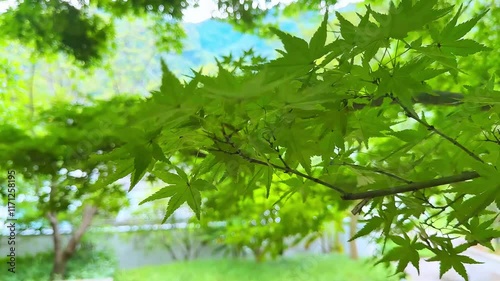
x,y
91,263
87,262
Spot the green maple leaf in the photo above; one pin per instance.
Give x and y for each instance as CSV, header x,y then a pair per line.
x,y
369,227
399,80
408,135
169,178
293,45
184,194
180,192
202,185
449,39
449,260
171,89
328,144
318,40
463,47
453,32
158,153
224,84
347,29
296,60
366,38
143,158
163,193
121,170
482,232
406,252
257,174
268,178
142,149
295,151
205,166
409,16
299,185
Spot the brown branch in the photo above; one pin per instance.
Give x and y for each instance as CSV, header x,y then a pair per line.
x,y
87,216
362,195
435,98
414,116
439,98
55,228
357,209
58,268
412,186
442,209
368,194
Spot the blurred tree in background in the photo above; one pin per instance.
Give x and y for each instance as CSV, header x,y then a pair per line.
x,y
85,29
56,178
268,224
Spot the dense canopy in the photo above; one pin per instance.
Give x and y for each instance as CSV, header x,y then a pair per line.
x,y
359,114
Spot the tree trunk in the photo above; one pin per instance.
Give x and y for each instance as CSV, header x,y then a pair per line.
x,y
62,255
59,269
281,247
59,266
337,244
259,254
353,227
323,242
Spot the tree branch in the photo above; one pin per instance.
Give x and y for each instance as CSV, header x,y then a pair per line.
x,y
368,194
56,237
411,187
285,169
412,115
435,98
88,215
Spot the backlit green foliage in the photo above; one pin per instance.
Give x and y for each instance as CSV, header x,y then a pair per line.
x,y
359,115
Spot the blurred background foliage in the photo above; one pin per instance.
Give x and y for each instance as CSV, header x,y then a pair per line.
x,y
89,262
85,30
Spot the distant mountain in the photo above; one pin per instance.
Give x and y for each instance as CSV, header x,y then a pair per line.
x,y
134,65
214,38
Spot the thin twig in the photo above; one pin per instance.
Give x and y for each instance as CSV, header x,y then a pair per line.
x,y
413,186
443,208
376,170
284,169
414,116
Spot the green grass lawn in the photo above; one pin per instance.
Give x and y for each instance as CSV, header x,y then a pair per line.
x,y
303,268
